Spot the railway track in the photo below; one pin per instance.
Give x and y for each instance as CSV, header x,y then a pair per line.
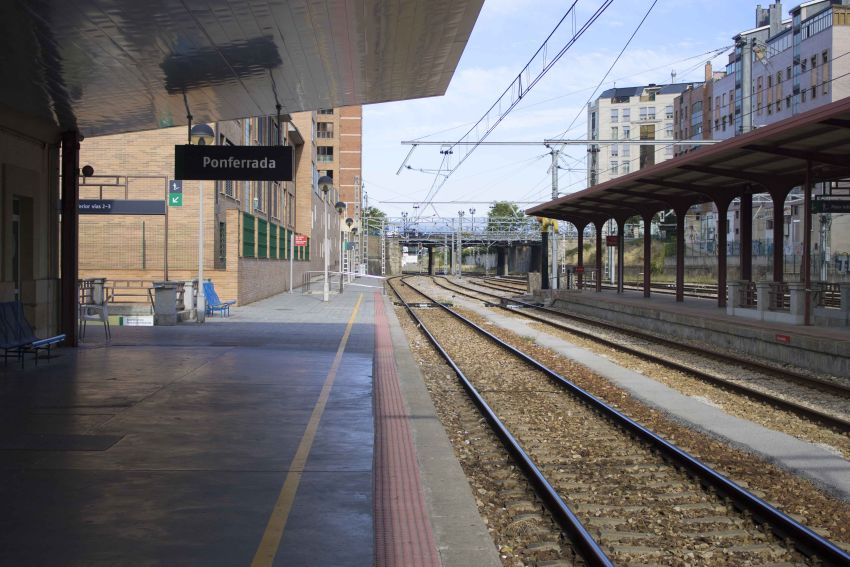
x,y
621,493
817,399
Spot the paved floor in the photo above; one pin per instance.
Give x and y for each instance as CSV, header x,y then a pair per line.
x,y
244,439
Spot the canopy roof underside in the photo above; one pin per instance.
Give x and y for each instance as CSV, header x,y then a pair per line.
x,y
111,66
773,157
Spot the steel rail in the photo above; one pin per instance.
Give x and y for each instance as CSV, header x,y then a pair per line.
x,y
806,540
811,413
589,549
810,381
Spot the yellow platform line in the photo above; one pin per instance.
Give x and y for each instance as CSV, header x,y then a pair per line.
x,y
268,547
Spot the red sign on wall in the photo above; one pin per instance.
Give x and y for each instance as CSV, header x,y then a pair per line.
x,y
300,240
611,240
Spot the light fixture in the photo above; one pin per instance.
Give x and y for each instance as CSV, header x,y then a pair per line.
x,y
349,221
340,207
325,183
202,135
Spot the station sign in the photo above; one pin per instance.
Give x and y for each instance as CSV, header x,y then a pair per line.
x,y
611,240
830,206
300,240
120,207
237,163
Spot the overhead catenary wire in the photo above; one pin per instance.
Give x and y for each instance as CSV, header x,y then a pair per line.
x,y
515,96
608,72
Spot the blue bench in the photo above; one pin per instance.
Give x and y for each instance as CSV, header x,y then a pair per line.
x,y
214,304
17,336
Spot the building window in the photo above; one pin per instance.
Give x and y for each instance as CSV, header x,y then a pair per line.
x,y
615,115
787,73
614,132
326,111
804,65
825,72
668,150
627,131
626,167
669,130
324,130
803,95
669,111
614,151
324,154
615,167
788,101
627,115
626,150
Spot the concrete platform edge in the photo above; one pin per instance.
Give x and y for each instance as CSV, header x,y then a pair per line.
x,y
462,537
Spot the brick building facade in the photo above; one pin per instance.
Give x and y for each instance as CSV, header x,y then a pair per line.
x,y
248,225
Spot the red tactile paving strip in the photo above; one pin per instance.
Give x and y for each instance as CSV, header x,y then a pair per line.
x,y
403,536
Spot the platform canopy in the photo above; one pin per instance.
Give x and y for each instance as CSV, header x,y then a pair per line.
x,y
112,66
769,158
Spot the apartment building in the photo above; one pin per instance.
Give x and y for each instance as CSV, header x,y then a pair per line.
x,y
248,225
630,113
778,69
336,142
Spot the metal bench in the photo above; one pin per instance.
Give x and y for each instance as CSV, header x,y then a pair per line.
x,y
17,336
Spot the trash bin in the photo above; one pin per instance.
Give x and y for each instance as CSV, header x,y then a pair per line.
x,y
165,303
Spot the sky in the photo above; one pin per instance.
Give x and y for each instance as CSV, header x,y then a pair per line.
x,y
677,35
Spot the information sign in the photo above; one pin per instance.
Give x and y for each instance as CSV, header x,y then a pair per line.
x,y
611,240
175,199
831,206
242,163
120,207
300,240
175,186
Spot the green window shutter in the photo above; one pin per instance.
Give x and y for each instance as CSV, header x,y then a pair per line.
x,y
248,235
273,241
262,239
307,249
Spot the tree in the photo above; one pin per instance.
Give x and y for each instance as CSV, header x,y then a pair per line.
x,y
372,219
504,216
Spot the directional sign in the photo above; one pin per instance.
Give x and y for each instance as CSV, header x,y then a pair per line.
x,y
120,207
831,206
175,186
175,199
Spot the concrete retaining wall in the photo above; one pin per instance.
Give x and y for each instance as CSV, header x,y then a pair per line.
x,y
817,354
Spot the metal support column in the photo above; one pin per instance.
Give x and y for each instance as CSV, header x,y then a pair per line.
x,y
599,256
621,242
68,294
680,254
383,249
722,229
647,254
544,260
746,223
807,243
778,197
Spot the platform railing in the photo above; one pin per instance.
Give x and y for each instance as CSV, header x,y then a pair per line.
x,y
778,297
313,282
747,295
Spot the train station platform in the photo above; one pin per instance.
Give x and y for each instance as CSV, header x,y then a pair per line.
x,y
294,432
824,350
